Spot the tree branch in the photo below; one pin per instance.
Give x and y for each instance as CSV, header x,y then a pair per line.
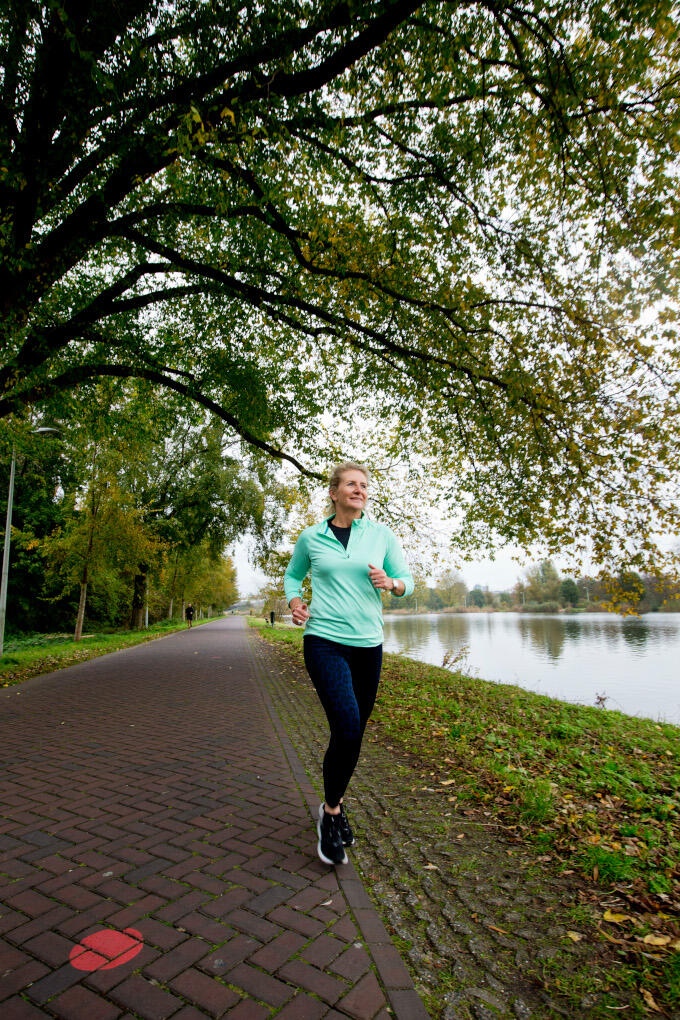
x,y
82,373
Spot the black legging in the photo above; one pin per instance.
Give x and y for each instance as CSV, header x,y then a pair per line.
x,y
346,679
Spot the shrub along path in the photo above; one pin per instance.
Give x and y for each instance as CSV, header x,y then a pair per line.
x,y
490,925
157,851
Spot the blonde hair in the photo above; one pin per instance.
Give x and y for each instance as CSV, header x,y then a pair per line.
x,y
336,477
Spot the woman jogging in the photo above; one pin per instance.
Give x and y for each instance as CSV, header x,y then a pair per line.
x,y
351,559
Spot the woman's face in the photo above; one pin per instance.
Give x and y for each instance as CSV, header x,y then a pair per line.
x,y
351,493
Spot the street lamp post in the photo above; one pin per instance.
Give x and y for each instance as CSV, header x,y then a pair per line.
x,y
5,551
44,430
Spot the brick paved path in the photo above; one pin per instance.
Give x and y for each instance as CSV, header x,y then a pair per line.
x,y
142,870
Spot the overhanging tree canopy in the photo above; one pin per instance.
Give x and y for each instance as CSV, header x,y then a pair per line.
x,y
451,214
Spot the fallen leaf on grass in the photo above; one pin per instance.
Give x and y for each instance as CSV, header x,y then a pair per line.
x,y
649,1000
656,940
613,918
574,936
430,867
447,782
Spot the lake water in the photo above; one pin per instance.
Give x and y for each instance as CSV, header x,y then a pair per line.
x,y
634,663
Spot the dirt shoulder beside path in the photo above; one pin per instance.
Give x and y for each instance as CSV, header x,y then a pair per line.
x,y
482,923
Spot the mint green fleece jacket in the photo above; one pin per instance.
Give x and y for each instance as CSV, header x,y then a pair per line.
x,y
345,606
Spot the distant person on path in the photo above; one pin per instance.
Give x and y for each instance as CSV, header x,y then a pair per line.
x,y
189,614
351,559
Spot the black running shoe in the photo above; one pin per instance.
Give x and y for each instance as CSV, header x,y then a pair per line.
x,y
345,828
329,847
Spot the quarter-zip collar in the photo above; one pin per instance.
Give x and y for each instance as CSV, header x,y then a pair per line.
x,y
358,522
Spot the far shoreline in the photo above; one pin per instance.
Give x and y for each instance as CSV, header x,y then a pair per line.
x,y
474,610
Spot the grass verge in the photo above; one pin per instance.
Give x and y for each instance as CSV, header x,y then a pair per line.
x,y
31,655
594,791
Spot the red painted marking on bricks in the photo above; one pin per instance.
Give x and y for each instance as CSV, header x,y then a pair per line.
x,y
106,949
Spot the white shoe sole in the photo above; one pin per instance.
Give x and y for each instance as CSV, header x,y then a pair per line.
x,y
322,856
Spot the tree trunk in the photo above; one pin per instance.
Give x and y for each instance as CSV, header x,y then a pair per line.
x,y
172,588
81,606
139,591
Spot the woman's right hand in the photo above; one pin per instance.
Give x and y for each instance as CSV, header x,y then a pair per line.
x,y
300,612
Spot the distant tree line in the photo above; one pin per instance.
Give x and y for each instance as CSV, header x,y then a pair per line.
x,y
125,516
543,589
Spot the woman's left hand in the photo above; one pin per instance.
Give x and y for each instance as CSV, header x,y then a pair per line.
x,y
379,578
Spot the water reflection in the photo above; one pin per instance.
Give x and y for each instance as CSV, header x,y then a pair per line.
x,y
545,633
635,633
633,661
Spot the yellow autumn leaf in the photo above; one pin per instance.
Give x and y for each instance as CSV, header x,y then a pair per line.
x,y
447,782
574,936
613,918
649,1000
656,940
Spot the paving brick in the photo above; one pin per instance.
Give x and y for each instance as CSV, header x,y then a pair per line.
x,y
19,1009
18,979
212,931
259,985
55,982
129,915
31,903
321,951
307,899
177,960
311,979
253,925
249,1010
189,1013
371,926
145,1000
364,1000
345,929
123,892
391,969
278,951
288,918
46,922
80,1004
302,1007
204,992
214,886
10,920
51,948
162,936
352,964
224,959
185,904
10,958
407,1005
267,901
225,904
79,898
